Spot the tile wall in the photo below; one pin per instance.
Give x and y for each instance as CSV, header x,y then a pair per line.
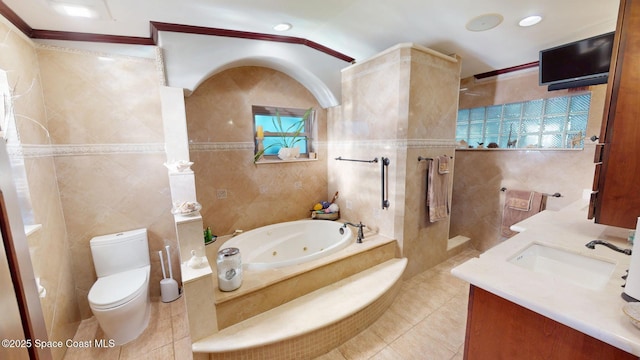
x,y
234,192
107,133
91,138
479,174
400,104
50,256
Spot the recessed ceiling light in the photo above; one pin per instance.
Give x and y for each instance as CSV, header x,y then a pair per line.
x,y
91,9
282,27
484,22
530,20
75,10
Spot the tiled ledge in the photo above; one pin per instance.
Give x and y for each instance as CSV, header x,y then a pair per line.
x,y
190,274
314,311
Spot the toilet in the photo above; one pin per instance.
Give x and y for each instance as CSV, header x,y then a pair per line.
x,y
119,299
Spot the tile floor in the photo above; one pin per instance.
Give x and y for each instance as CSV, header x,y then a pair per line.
x,y
166,337
426,321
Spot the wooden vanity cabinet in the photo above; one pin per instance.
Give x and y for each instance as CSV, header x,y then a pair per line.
x,y
615,198
500,329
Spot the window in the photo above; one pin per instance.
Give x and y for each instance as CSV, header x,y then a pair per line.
x,y
293,128
559,122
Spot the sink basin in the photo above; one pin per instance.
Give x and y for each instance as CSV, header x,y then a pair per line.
x,y
588,272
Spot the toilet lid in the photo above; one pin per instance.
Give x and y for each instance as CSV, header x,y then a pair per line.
x,y
113,290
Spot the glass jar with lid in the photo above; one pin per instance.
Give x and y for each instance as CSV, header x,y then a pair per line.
x,y
229,265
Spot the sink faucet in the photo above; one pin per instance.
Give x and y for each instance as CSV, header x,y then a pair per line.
x,y
360,232
592,245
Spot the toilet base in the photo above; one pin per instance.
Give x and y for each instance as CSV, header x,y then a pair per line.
x,y
126,322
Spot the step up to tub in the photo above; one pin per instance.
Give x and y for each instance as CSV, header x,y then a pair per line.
x,y
263,290
319,310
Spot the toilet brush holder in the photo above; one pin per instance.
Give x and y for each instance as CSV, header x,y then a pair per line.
x,y
169,290
168,286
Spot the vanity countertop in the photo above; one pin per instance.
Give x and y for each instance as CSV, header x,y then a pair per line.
x,y
597,313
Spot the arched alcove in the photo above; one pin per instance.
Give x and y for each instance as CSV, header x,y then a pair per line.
x,y
234,192
191,59
316,86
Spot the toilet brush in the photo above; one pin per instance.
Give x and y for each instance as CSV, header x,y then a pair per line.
x,y
169,261
164,274
168,286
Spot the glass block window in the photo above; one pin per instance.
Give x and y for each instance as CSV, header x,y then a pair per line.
x,y
559,122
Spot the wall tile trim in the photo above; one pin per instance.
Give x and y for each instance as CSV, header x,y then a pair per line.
x,y
234,146
36,151
370,144
395,143
221,146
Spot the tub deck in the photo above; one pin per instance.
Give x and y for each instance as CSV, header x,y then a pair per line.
x,y
319,311
300,311
263,290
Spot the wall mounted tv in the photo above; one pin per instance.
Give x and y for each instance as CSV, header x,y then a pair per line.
x,y
580,63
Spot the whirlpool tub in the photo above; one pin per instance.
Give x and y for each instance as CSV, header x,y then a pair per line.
x,y
289,243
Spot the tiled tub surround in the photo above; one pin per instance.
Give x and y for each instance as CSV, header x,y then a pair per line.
x,y
597,313
400,104
323,313
286,291
262,290
234,192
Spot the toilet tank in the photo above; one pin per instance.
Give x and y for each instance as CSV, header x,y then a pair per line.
x,y
119,252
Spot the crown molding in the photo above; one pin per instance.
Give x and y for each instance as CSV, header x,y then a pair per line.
x,y
154,28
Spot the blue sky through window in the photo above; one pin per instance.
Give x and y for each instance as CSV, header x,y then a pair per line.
x,y
272,138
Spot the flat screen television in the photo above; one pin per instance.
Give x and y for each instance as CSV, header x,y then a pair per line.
x,y
580,63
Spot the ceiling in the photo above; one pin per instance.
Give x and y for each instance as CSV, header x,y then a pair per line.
x,y
356,28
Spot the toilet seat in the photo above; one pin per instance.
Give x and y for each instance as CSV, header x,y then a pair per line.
x,y
117,289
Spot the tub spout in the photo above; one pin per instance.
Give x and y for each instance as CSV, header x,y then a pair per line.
x,y
360,226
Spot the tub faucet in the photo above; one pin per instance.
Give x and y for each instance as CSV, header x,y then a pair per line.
x,y
360,226
592,245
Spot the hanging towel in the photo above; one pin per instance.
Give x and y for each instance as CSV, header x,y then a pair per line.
x,y
519,205
438,189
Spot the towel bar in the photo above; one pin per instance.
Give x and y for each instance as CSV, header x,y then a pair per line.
x,y
503,189
421,158
339,158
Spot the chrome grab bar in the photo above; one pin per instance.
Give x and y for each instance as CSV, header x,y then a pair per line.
x,y
385,190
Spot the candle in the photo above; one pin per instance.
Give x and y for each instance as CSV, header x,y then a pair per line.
x,y
259,132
